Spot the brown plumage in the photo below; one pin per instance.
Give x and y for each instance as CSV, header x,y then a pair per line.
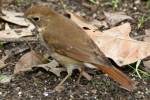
x,y
65,38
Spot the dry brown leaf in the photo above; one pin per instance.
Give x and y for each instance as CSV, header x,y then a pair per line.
x,y
14,17
117,17
27,61
52,67
32,59
115,43
9,33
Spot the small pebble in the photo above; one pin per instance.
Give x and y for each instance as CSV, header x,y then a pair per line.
x,y
71,96
134,8
45,94
19,93
31,96
94,91
137,1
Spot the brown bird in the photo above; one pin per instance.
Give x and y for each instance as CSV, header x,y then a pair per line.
x,y
70,45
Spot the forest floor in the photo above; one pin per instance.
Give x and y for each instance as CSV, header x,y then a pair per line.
x,y
38,84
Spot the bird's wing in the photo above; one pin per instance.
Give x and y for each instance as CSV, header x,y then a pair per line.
x,y
70,40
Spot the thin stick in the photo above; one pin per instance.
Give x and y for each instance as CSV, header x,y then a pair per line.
x,y
137,67
63,5
31,39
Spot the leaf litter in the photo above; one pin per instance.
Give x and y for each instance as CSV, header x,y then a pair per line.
x,y
116,17
14,17
30,59
18,19
33,59
116,43
107,41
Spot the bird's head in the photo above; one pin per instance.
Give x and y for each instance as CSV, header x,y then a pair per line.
x,y
40,15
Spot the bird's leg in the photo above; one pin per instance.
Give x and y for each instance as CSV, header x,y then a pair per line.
x,y
80,75
84,74
70,68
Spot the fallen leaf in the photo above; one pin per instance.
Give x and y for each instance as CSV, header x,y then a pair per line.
x,y
9,33
27,61
120,47
14,17
115,43
18,19
117,17
32,59
52,67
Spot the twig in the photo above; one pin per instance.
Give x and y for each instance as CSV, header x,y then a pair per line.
x,y
31,39
141,71
141,36
1,1
137,67
63,5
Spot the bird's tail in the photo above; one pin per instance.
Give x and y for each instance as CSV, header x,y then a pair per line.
x,y
118,76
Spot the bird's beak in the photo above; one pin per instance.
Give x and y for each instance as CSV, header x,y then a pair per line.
x,y
27,17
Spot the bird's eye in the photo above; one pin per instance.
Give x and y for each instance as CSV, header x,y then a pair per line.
x,y
36,19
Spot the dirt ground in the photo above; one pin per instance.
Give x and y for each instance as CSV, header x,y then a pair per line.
x,y
38,83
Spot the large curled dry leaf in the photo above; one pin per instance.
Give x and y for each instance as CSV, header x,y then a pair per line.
x,y
27,61
115,43
32,59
